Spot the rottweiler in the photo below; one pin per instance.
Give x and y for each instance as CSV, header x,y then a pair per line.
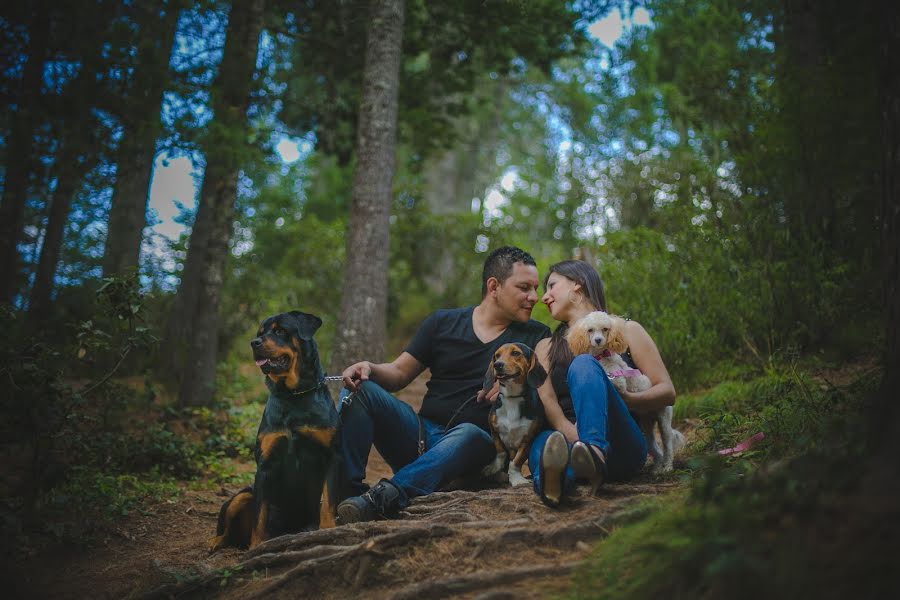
x,y
296,445
517,414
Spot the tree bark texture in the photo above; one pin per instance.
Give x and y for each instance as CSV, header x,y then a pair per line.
x,y
141,126
362,323
72,166
20,159
78,152
226,148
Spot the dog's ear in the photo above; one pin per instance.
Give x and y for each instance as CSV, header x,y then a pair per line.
x,y
306,324
489,377
615,342
578,340
536,373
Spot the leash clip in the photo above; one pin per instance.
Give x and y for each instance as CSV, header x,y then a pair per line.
x,y
346,401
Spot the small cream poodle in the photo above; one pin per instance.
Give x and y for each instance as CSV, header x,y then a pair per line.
x,y
603,336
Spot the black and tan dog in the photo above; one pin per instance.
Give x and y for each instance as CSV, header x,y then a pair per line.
x,y
296,445
517,414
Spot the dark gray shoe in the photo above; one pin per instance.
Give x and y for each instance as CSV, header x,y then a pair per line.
x,y
590,464
554,458
381,501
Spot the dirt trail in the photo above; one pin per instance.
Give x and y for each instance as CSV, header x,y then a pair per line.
x,y
490,543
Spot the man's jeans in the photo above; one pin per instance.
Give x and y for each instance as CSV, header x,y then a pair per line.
x,y
376,416
602,420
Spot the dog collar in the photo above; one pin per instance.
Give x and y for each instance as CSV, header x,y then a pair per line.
x,y
312,389
603,354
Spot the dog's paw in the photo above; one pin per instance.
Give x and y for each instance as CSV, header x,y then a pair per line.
x,y
678,441
661,467
215,544
516,479
494,467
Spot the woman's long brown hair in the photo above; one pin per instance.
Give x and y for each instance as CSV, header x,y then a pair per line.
x,y
591,285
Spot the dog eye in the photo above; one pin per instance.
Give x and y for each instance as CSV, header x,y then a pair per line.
x,y
516,353
591,330
605,329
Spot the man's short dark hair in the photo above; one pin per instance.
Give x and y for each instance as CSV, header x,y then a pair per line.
x,y
499,264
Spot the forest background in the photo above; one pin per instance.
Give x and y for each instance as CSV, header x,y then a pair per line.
x,y
730,167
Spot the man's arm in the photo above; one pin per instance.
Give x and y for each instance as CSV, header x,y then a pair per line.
x,y
391,376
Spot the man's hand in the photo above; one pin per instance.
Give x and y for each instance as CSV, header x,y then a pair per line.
x,y
489,395
355,374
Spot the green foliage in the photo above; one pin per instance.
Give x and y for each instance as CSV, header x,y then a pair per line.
x,y
737,531
447,46
797,413
88,492
86,446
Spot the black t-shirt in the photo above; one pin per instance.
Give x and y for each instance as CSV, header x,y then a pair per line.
x,y
446,343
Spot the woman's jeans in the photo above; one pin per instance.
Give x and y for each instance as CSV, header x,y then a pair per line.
x,y
602,420
374,416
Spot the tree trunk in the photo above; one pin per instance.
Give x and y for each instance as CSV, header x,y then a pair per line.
x,y
179,327
362,327
69,175
141,125
226,149
20,155
78,153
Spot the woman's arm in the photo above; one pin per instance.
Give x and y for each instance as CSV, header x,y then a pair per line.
x,y
647,359
552,410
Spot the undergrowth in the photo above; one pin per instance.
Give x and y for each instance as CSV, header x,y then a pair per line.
x,y
86,445
739,527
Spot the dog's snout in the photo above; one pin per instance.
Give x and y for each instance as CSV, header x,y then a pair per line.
x,y
256,342
498,365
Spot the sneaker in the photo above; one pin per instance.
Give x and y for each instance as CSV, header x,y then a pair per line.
x,y
554,458
381,501
589,463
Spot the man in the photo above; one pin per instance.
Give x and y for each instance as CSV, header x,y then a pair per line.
x,y
449,437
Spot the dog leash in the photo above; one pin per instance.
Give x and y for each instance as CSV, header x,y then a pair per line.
x,y
320,384
459,410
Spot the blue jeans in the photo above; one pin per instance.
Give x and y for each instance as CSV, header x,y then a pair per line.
x,y
375,416
602,420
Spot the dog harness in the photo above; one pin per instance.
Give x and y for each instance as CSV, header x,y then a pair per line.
x,y
620,372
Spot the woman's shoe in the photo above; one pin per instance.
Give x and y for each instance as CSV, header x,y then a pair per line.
x,y
589,463
554,459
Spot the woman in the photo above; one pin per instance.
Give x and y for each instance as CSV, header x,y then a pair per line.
x,y
592,434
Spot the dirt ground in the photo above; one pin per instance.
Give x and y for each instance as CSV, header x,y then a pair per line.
x,y
498,542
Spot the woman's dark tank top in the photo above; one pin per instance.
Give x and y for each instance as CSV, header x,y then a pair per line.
x,y
561,387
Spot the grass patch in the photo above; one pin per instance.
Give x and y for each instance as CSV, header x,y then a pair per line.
x,y
742,527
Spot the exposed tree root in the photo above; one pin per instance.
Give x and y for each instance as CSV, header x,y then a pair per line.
x,y
352,552
374,546
307,561
441,588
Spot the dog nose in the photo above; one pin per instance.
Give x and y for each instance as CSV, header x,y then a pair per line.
x,y
498,366
256,342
